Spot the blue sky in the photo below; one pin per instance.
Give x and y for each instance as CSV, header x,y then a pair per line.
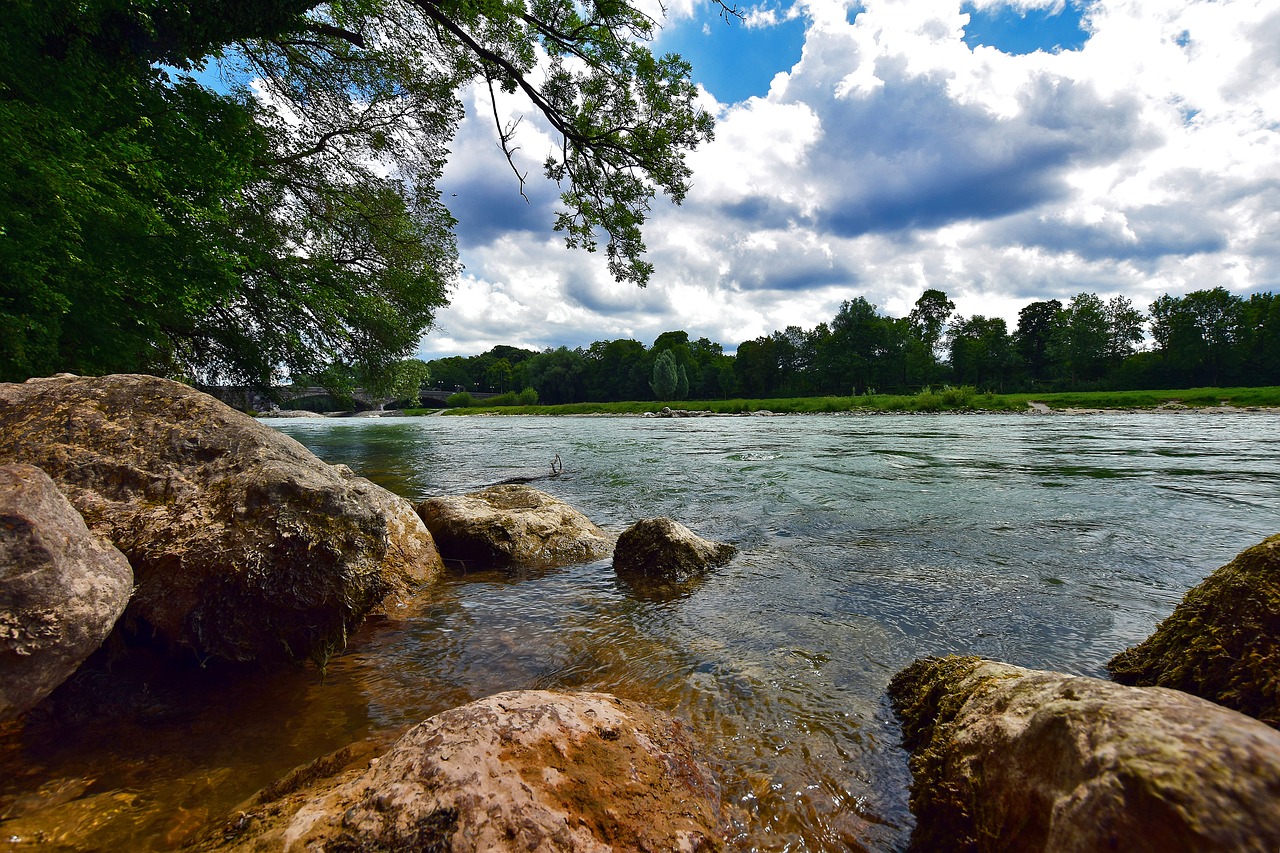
x,y
1003,153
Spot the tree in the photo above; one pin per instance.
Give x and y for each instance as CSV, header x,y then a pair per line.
x,y
1262,340
498,376
756,367
153,224
665,376
1079,343
848,356
1124,329
1037,327
981,351
556,375
928,320
1198,334
407,381
682,383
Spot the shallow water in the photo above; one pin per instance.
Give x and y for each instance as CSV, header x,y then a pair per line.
x,y
864,543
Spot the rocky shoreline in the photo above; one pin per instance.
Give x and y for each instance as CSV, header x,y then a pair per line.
x,y
192,530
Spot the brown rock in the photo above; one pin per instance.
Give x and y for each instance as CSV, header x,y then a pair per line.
x,y
512,525
1006,758
243,544
1222,642
526,770
662,549
61,588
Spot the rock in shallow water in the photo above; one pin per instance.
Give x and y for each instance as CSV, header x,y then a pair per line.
x,y
61,588
525,770
512,526
244,545
1222,642
664,550
1006,758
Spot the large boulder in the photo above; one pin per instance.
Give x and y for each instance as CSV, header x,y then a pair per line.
x,y
243,544
510,526
1006,758
1222,642
525,770
61,588
665,550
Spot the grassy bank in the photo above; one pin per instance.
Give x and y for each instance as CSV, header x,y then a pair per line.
x,y
945,399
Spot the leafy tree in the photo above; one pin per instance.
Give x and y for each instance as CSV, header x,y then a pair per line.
x,y
611,368
682,383
1038,325
756,367
151,224
710,358
665,376
928,320
981,351
847,357
1261,344
557,375
1199,333
1079,344
407,380
1124,329
498,375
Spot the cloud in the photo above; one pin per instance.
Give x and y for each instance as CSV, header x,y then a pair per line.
x,y
893,157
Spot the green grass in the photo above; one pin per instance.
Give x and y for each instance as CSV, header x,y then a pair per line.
x,y
944,399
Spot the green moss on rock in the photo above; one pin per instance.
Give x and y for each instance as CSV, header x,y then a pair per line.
x,y
927,698
1222,642
1006,758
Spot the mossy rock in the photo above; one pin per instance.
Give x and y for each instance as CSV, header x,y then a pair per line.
x,y
1222,642
1005,758
665,551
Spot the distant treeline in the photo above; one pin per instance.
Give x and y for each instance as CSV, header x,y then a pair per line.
x,y
1207,337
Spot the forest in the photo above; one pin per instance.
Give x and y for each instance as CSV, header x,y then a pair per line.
x,y
1206,337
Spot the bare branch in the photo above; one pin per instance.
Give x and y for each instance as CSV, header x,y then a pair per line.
x,y
505,135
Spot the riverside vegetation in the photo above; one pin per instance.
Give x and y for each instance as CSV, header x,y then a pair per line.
x,y
944,399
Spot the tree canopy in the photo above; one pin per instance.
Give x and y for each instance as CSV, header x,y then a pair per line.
x,y
292,222
1202,337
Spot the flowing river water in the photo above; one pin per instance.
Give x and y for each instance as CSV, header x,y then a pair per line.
x,y
864,542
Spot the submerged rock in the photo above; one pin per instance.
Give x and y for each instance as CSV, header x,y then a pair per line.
x,y
244,545
512,525
660,549
1006,758
526,770
1222,642
61,588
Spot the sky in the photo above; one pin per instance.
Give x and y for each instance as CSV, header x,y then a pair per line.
x,y
1003,153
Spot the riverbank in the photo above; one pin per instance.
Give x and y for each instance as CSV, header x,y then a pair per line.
x,y
929,401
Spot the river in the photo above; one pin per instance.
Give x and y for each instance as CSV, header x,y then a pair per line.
x,y
864,542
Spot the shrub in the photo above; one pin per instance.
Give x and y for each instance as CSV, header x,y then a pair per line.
x,y
957,398
461,400
528,397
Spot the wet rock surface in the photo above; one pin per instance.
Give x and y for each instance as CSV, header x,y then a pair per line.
x,y
244,545
1222,642
509,526
663,550
1006,758
525,770
61,588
